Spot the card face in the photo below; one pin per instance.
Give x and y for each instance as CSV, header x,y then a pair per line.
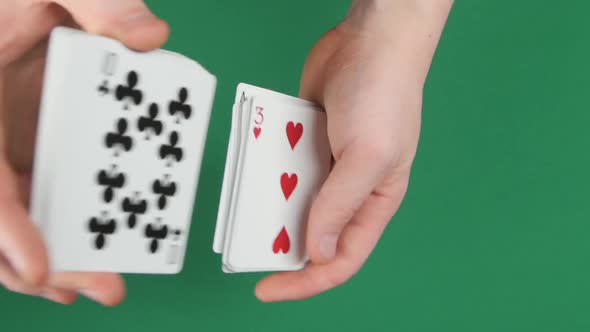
x,y
114,187
242,104
283,159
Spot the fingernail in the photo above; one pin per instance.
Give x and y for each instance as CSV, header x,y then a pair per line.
x,y
139,18
328,244
52,296
257,293
90,294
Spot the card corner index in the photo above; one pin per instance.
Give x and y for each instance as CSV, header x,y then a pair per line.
x,y
241,86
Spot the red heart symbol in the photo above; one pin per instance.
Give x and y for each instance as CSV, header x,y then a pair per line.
x,y
257,131
282,242
294,133
288,184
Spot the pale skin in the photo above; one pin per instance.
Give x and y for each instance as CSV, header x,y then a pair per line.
x,y
368,73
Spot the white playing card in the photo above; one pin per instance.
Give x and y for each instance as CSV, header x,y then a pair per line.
x,y
231,165
47,129
249,90
283,159
118,154
244,95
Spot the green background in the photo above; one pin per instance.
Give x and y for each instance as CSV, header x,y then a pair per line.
x,y
493,234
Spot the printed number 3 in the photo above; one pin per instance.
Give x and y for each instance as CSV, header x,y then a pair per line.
x,y
259,115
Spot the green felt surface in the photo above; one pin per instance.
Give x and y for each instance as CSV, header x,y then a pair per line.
x,y
494,233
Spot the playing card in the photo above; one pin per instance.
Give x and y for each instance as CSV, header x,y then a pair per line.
x,y
251,91
243,101
279,158
120,142
227,189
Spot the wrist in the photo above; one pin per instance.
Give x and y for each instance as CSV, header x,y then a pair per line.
x,y
380,16
408,30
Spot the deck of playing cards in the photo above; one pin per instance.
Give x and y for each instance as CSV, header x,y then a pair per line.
x,y
277,159
119,146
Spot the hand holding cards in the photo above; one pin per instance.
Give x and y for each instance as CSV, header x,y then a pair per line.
x,y
120,140
278,157
119,146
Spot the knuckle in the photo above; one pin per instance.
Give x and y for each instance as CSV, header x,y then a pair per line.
x,y
338,276
377,149
39,274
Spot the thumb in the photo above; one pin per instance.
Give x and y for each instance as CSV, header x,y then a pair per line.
x,y
129,21
355,175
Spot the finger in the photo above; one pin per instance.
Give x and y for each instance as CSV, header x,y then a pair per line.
x,y
129,21
357,241
12,282
28,24
105,288
61,296
358,171
20,242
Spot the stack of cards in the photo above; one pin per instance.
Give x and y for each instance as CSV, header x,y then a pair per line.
x,y
120,140
277,159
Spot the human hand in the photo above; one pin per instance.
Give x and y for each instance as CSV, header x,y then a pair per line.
x,y
26,24
368,73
